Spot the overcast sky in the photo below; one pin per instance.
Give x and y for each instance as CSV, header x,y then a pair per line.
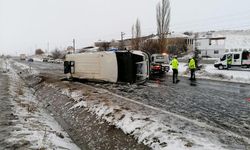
x,y
29,24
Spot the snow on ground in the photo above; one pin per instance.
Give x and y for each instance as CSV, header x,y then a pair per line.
x,y
188,56
208,71
34,127
214,59
147,128
26,68
38,59
231,75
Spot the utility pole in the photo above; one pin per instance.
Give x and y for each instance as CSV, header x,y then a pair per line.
x,y
122,34
47,48
74,45
122,42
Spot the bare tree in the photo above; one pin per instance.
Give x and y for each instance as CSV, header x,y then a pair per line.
x,y
176,46
121,43
196,50
70,49
188,33
136,35
39,51
133,37
150,46
57,54
105,46
163,20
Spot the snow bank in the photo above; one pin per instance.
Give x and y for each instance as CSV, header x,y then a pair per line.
x,y
38,59
188,56
145,126
208,71
26,68
242,76
34,126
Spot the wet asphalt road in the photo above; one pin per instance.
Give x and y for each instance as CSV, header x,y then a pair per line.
x,y
221,104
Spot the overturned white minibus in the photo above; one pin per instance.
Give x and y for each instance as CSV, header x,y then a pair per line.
x,y
120,66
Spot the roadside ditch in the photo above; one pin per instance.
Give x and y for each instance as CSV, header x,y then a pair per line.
x,y
86,129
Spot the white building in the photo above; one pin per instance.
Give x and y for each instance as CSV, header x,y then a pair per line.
x,y
215,44
211,46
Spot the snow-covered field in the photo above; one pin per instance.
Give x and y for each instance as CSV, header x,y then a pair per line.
x,y
34,127
208,71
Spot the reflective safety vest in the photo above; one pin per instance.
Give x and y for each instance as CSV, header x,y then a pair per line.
x,y
229,60
191,64
174,63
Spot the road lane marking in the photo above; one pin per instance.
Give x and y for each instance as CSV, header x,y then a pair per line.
x,y
196,122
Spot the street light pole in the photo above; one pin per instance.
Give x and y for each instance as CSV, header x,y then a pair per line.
x,y
122,42
47,48
74,45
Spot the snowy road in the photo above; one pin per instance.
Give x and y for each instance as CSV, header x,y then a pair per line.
x,y
222,105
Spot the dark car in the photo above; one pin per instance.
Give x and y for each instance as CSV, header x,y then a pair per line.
x,y
30,60
45,59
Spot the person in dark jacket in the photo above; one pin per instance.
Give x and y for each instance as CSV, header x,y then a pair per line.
x,y
175,65
192,67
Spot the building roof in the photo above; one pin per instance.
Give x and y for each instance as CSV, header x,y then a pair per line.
x,y
173,35
236,39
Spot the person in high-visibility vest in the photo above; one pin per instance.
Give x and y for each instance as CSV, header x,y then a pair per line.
x,y
229,61
192,67
175,65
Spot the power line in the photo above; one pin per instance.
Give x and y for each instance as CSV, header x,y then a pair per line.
x,y
218,28
196,24
213,21
219,17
